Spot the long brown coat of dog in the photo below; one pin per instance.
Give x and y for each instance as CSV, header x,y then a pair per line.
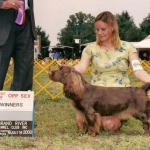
x,y
96,101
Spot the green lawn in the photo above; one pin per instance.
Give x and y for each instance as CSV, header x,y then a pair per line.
x,y
55,129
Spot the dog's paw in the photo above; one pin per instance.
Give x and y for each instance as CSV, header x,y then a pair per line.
x,y
92,132
83,126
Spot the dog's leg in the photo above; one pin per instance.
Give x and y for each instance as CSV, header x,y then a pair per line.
x,y
147,123
81,120
126,114
130,112
93,119
148,113
144,118
90,115
98,123
95,128
141,116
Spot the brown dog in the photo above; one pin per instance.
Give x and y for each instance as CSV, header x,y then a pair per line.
x,y
93,102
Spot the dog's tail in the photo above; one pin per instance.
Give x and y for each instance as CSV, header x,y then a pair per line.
x,y
146,87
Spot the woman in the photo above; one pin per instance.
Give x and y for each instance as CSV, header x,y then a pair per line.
x,y
110,57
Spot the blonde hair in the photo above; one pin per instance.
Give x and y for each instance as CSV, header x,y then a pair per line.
x,y
108,18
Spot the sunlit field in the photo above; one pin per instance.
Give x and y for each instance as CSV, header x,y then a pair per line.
x,y
55,128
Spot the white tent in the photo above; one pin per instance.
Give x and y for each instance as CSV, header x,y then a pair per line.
x,y
144,44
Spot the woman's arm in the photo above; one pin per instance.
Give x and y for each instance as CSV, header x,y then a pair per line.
x,y
137,68
83,64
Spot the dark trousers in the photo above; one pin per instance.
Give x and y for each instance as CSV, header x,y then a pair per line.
x,y
19,46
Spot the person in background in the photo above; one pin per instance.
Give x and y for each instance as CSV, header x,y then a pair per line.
x,y
17,34
110,57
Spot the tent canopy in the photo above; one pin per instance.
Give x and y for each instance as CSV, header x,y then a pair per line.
x,y
145,44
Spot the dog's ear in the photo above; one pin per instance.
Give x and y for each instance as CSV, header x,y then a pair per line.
x,y
49,71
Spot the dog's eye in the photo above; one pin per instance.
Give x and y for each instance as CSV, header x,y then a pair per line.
x,y
60,68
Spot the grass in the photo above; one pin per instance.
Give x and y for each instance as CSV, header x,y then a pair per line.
x,y
55,129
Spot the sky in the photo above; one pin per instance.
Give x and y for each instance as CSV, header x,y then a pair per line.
x,y
52,15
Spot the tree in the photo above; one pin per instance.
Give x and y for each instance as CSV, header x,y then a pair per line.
x,y
127,28
79,26
44,41
145,26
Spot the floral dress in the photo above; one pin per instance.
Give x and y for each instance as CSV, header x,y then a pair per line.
x,y
110,68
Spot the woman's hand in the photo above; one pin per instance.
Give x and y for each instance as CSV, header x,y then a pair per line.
x,y
10,4
83,64
138,70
